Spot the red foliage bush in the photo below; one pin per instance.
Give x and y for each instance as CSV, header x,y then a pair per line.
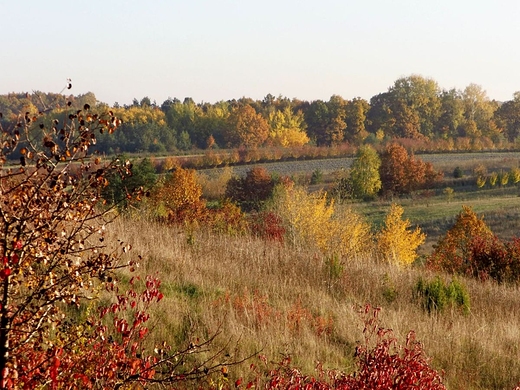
x,y
267,226
382,364
252,190
470,248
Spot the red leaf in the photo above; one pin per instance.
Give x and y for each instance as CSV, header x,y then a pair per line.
x,y
15,258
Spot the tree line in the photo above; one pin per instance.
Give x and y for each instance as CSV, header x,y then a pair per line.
x,y
414,108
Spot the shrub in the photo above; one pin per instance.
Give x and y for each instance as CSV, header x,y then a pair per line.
x,y
435,296
313,220
267,225
402,173
227,218
252,191
448,191
388,365
493,178
179,193
452,252
342,189
122,184
382,363
55,331
316,177
514,175
457,173
470,248
492,258
214,186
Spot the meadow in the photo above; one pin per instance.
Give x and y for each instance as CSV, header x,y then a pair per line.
x,y
279,300
275,299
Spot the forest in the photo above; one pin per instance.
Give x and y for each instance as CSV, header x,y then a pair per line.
x,y
123,268
413,108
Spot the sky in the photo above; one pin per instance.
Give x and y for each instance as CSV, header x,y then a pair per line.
x,y
224,49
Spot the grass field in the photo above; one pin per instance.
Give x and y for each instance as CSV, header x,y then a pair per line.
x,y
281,299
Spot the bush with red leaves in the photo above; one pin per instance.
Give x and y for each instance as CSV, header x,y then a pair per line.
x,y
382,364
267,225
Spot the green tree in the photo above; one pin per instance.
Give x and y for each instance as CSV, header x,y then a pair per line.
x,y
326,121
451,114
415,105
508,117
356,118
478,112
122,184
364,173
380,118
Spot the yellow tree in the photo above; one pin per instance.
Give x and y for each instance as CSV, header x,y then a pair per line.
x,y
352,234
398,244
180,194
306,216
287,128
311,219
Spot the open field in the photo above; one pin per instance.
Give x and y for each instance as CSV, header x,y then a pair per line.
x,y
445,162
281,300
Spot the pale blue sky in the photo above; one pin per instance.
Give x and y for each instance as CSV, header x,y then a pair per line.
x,y
224,49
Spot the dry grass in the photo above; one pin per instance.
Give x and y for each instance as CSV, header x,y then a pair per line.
x,y
282,300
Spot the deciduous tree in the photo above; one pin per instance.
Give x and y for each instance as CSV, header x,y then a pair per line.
x,y
287,128
402,174
55,263
364,173
246,128
251,191
452,252
180,194
398,244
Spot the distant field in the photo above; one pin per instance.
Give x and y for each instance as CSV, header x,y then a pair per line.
x,y
444,161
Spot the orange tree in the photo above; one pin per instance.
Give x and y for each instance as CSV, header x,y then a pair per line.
x,y
454,250
246,128
402,173
180,194
55,262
